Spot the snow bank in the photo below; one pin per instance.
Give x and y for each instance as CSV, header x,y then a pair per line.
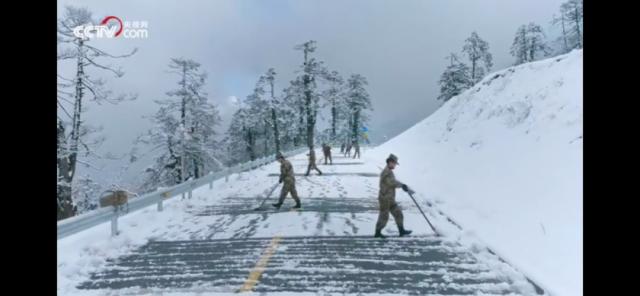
x,y
504,160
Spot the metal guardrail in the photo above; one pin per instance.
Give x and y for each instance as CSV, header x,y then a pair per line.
x,y
82,222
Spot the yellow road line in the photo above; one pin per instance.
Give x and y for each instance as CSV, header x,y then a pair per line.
x,y
257,271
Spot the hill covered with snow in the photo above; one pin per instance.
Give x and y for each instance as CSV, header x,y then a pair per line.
x,y
504,160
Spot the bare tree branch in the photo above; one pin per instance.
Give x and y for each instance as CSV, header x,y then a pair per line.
x,y
65,110
98,52
89,164
118,72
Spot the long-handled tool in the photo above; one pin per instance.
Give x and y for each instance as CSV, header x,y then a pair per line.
x,y
267,196
411,192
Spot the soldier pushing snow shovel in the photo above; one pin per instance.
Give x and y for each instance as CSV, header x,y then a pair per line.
x,y
312,162
387,198
289,180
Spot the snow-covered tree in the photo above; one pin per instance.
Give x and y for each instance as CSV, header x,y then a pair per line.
x,y
251,125
520,46
562,39
294,100
455,79
258,124
311,71
86,194
538,47
359,102
239,138
335,97
183,130
292,115
529,44
571,20
77,141
273,104
477,51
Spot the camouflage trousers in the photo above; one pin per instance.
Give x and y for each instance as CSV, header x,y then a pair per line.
x,y
388,205
288,187
313,166
357,153
327,157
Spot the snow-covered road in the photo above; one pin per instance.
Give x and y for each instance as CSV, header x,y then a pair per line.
x,y
216,243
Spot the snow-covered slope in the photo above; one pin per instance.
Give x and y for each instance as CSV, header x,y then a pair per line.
x,y
504,159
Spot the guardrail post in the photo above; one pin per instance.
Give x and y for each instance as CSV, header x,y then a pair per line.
x,y
160,205
190,190
114,222
226,175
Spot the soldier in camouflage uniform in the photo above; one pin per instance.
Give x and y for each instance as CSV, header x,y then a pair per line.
x,y
286,176
357,148
347,151
387,198
312,162
326,149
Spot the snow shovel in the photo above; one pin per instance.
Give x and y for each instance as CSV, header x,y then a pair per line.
x,y
267,196
411,192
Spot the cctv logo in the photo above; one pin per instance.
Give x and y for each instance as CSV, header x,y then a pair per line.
x,y
112,27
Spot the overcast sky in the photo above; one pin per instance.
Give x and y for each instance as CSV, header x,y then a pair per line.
x,y
399,46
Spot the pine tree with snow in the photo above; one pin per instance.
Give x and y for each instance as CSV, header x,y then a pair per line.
x,y
77,141
86,194
571,19
563,38
183,130
335,97
292,115
481,60
538,47
519,48
273,104
311,71
257,121
529,44
239,137
359,102
454,80
294,100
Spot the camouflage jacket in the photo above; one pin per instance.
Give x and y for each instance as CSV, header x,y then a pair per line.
x,y
286,172
312,156
388,184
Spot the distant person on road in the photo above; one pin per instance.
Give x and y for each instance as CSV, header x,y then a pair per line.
x,y
347,151
326,149
312,162
357,147
287,177
342,148
387,198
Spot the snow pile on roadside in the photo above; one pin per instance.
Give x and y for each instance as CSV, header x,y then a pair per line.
x,y
504,160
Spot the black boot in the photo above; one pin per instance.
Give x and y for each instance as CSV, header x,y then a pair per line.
x,y
403,231
297,206
277,205
379,234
